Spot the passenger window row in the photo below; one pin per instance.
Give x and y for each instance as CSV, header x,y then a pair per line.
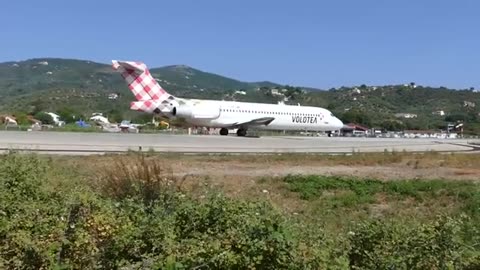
x,y
265,112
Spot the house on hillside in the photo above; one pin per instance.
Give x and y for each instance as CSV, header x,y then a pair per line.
x,y
113,96
439,113
468,104
239,92
276,92
406,115
8,120
99,119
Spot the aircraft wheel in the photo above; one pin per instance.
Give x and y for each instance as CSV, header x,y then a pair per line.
x,y
241,132
223,131
329,133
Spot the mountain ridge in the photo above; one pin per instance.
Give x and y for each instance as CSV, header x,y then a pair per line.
x,y
38,61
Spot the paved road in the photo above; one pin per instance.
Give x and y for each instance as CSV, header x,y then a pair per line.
x,y
90,143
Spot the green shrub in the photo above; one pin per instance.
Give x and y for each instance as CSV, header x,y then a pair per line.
x,y
22,175
393,245
362,190
45,118
30,216
140,218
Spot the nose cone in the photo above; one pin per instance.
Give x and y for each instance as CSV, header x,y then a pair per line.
x,y
337,123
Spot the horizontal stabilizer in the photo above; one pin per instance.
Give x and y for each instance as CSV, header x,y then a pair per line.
x,y
151,106
129,65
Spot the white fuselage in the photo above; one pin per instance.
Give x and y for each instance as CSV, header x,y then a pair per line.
x,y
219,114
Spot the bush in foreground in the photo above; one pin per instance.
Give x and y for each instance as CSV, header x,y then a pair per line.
x,y
45,226
389,245
141,219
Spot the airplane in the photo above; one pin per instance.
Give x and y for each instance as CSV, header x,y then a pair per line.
x,y
226,115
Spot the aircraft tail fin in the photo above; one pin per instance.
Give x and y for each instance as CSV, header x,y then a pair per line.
x,y
140,81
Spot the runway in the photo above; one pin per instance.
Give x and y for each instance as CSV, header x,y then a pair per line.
x,y
99,143
90,143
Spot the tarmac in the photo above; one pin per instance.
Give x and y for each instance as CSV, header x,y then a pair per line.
x,y
73,143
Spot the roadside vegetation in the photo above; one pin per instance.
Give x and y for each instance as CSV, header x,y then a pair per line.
x,y
138,213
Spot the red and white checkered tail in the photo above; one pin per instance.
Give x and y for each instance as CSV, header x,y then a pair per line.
x,y
140,81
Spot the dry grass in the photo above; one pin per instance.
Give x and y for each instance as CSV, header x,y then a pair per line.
x,y
428,159
239,174
138,176
157,176
420,160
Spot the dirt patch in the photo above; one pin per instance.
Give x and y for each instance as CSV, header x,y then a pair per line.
x,y
378,172
242,171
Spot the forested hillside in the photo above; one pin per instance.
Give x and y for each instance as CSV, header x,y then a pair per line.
x,y
83,87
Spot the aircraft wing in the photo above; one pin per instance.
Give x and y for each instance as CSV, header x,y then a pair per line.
x,y
254,122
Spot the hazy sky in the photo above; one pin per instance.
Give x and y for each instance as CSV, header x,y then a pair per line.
x,y
309,43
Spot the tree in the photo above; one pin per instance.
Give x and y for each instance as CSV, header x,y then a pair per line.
x,y
456,117
393,125
266,91
292,92
115,115
331,106
462,117
21,118
37,106
45,118
358,117
68,115
143,118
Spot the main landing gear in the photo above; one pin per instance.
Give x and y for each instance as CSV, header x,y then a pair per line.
x,y
224,131
241,132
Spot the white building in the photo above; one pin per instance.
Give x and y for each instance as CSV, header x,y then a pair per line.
x,y
100,119
241,93
112,96
405,115
468,104
441,113
9,121
56,119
